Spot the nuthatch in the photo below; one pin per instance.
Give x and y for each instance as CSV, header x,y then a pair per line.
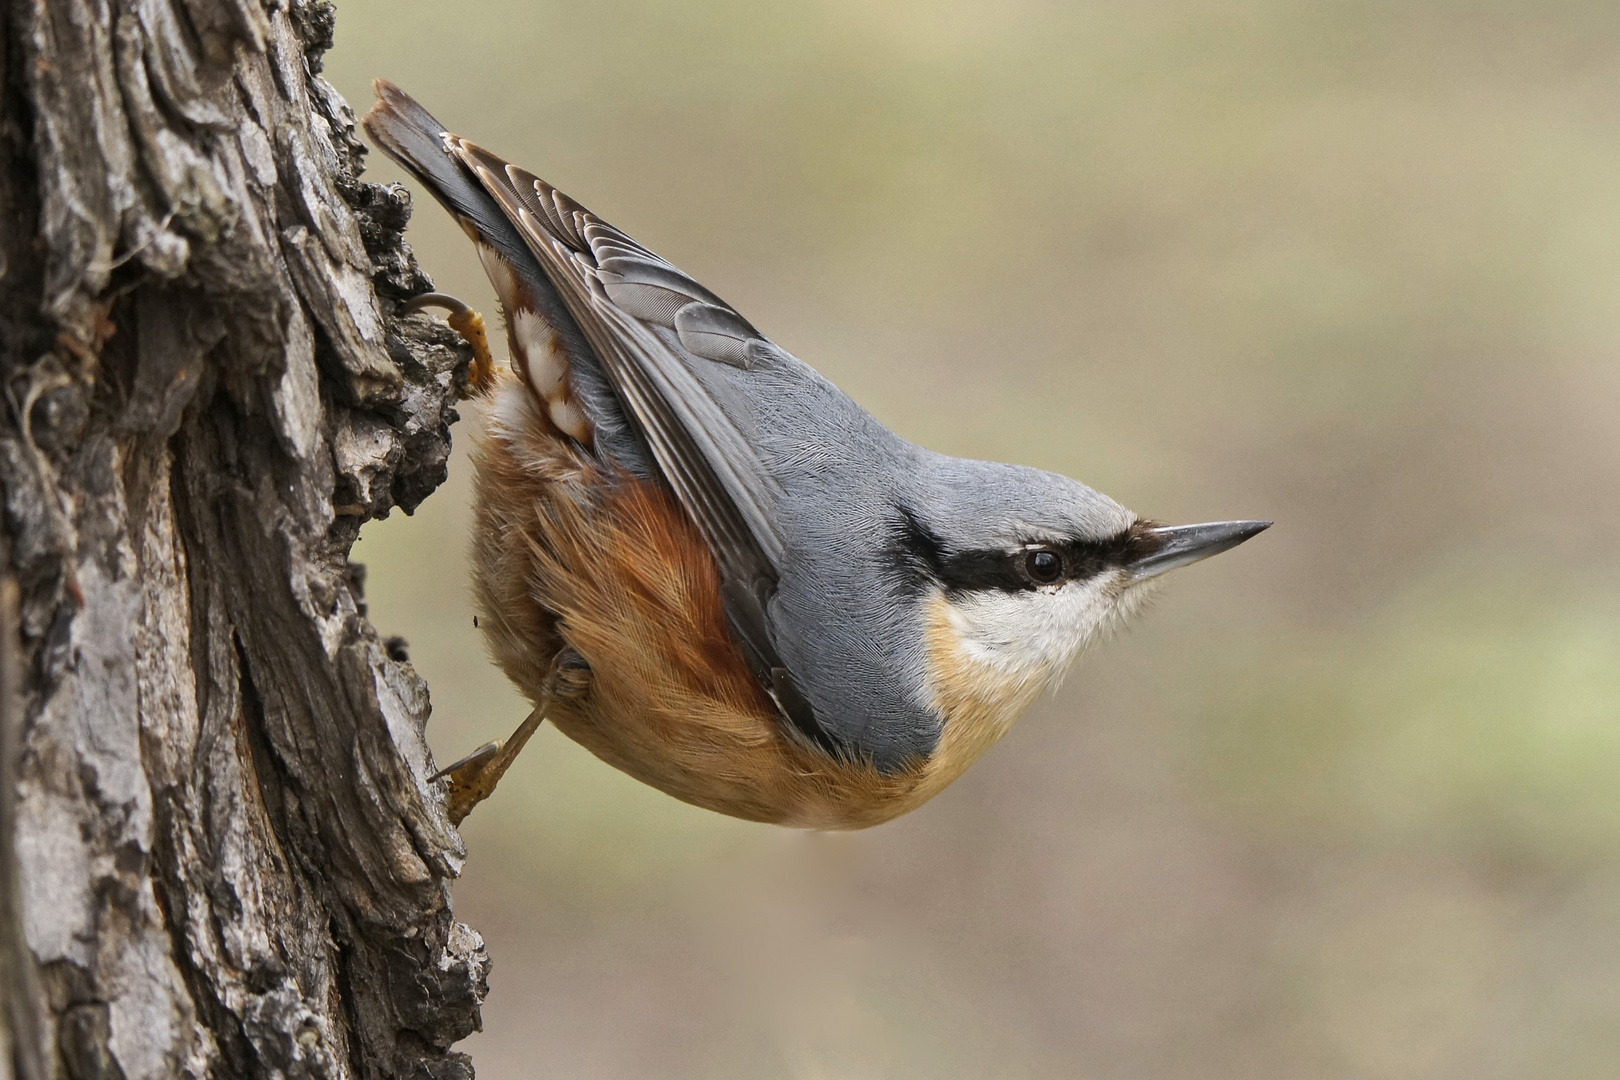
x,y
717,572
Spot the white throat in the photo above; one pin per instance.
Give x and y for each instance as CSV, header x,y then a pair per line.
x,y
1028,640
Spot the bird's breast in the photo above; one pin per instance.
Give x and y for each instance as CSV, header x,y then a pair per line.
x,y
982,678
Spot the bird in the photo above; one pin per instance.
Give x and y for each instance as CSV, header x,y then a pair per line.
x,y
712,568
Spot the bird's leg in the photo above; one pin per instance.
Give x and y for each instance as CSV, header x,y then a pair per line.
x,y
470,325
473,778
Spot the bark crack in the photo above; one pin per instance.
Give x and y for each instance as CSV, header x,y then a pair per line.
x,y
226,856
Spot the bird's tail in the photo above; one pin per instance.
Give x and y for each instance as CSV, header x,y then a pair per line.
x,y
411,136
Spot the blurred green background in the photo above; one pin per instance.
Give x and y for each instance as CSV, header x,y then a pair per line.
x,y
1346,804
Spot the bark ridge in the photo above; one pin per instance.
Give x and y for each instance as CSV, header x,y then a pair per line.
x,y
224,858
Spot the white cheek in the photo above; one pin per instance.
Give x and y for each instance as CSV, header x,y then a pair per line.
x,y
1036,634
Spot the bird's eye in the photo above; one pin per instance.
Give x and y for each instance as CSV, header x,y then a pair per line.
x,y
1043,566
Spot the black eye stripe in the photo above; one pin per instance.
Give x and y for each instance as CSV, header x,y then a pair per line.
x,y
969,570
922,560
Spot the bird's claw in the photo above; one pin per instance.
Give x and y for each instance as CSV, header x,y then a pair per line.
x,y
470,325
472,780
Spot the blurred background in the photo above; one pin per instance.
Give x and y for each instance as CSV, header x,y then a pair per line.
x,y
1346,804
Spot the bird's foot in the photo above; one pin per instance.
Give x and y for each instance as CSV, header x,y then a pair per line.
x,y
473,778
470,325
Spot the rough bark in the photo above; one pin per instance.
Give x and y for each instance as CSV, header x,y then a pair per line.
x,y
224,858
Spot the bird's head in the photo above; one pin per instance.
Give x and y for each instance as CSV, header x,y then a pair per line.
x,y
1020,570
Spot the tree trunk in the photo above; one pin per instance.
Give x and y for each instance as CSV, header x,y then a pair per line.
x,y
219,852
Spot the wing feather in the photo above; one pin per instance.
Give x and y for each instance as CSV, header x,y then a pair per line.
x,y
647,324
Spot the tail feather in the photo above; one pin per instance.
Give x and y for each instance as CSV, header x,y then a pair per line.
x,y
411,136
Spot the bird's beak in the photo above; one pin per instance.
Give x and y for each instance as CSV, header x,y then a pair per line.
x,y
1178,545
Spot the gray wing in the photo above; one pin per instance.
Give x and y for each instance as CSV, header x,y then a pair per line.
x,y
621,294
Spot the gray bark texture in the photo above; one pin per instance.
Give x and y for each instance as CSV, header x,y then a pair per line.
x,y
220,855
